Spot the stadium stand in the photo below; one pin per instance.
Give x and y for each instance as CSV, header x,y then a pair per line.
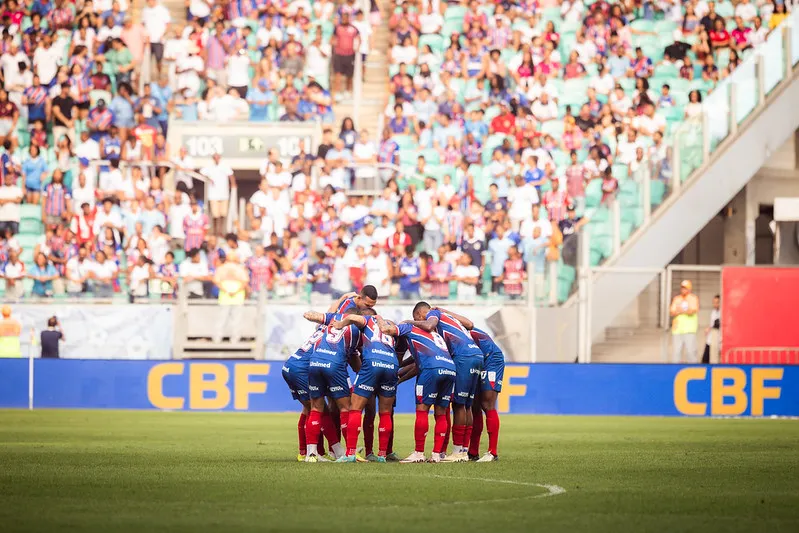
x,y
506,126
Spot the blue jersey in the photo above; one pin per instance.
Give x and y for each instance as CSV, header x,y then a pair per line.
x,y
336,345
459,341
346,305
487,345
428,348
301,357
375,346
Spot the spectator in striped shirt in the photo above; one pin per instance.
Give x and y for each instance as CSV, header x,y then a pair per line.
x,y
56,200
513,274
195,227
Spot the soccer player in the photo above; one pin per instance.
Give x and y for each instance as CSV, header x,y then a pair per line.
x,y
468,365
327,376
376,377
366,299
490,387
435,379
295,374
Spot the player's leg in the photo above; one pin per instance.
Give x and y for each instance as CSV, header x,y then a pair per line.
x,y
313,425
303,447
384,404
460,412
392,457
477,428
369,415
425,397
298,385
448,434
491,387
441,414
357,403
474,388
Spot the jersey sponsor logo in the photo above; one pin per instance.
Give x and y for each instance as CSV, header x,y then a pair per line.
x,y
384,352
474,371
336,389
300,391
447,397
368,388
322,365
322,350
313,387
388,388
445,372
378,364
463,394
433,395
442,358
295,356
419,392
473,346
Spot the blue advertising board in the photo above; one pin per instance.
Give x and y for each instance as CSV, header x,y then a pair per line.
x,y
569,389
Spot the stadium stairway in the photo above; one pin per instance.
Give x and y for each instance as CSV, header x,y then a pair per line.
x,y
375,88
706,188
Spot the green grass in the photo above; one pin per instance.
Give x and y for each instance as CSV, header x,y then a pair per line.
x,y
115,471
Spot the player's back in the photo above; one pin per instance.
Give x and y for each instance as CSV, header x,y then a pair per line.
x,y
303,354
428,348
376,346
487,345
336,344
459,341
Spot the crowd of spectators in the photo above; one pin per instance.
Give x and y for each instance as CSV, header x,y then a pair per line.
x,y
511,124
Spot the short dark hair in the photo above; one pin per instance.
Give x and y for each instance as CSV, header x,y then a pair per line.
x,y
52,322
369,291
367,312
419,306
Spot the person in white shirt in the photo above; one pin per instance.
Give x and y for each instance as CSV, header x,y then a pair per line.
x,y
178,212
139,277
82,193
522,197
102,275
46,59
77,272
13,273
746,10
535,221
230,107
365,32
87,147
317,58
431,21
625,150
222,180
280,179
156,18
238,71
544,109
194,273
378,270
10,198
572,11
468,276
188,69
183,162
540,86
650,122
109,217
364,154
200,9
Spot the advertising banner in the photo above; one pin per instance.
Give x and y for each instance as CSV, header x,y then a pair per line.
x,y
566,389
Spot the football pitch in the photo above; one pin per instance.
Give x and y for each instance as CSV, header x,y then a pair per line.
x,y
116,471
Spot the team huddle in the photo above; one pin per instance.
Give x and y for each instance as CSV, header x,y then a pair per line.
x,y
455,364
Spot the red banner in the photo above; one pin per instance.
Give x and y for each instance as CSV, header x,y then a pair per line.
x,y
760,315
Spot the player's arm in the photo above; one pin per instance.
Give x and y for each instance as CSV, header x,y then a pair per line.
x,y
355,361
315,316
408,372
429,324
468,324
386,328
348,320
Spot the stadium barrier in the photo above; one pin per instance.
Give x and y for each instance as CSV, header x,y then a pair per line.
x,y
562,389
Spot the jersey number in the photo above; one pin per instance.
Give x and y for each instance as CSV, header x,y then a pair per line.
x,y
334,335
311,342
378,336
439,341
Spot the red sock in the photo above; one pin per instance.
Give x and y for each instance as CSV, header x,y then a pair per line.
x,y
420,429
448,416
467,436
301,432
313,427
390,447
441,431
477,431
383,432
329,429
492,426
369,433
458,433
353,429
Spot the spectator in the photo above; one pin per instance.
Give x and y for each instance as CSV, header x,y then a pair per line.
x,y
42,273
345,42
78,272
156,20
10,198
513,274
221,181
408,272
13,273
684,325
103,275
468,277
